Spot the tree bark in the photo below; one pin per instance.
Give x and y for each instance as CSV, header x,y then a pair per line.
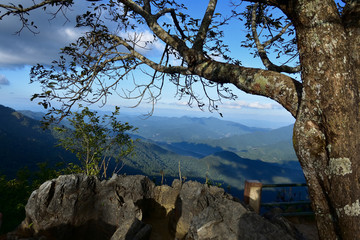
x,y
327,125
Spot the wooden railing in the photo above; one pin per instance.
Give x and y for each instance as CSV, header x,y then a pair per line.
x,y
252,197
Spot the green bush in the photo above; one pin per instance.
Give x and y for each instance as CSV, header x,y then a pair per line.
x,y
96,140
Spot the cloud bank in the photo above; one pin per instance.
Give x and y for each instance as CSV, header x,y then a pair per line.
x,y
254,105
27,48
240,105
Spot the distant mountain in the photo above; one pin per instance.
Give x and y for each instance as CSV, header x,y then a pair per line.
x,y
24,143
200,137
270,146
224,152
198,150
234,170
186,129
259,138
177,129
33,115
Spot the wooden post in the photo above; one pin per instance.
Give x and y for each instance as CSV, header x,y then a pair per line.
x,y
252,194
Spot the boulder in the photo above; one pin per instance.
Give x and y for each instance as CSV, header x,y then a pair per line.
x,y
209,213
82,207
132,207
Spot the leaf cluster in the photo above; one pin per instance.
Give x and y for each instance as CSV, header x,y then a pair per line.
x,y
97,140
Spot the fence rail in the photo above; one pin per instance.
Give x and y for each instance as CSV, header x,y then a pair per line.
x,y
252,196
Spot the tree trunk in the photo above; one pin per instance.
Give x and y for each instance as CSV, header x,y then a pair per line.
x,y
327,126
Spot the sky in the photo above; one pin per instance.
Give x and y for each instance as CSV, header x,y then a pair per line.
x,y
18,52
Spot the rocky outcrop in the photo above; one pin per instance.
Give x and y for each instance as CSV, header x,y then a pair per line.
x,y
132,207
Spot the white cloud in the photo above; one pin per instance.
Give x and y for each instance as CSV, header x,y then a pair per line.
x,y
28,48
245,104
235,105
144,41
4,80
71,34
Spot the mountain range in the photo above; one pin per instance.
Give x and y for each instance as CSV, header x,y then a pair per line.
x,y
203,148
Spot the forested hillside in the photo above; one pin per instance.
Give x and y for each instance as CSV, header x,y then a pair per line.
x,y
204,148
24,143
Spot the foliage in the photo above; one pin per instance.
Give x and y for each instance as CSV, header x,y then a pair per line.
x,y
15,193
13,196
97,140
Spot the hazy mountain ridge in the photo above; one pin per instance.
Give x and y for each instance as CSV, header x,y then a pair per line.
x,y
186,129
199,137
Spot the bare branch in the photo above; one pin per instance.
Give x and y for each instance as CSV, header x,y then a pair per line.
x,y
13,9
177,25
173,41
261,47
21,12
162,12
147,6
153,65
204,27
173,15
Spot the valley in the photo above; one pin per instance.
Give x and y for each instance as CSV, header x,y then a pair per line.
x,y
206,149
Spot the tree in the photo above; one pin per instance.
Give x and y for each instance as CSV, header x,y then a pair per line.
x,y
96,141
322,34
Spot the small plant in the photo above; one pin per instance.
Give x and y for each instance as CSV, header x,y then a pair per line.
x,y
97,140
162,176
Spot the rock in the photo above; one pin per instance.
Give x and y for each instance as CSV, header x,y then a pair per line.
x,y
82,207
132,207
133,229
209,213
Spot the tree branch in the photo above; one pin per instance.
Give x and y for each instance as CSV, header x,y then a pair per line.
x,y
204,27
151,20
267,2
12,9
279,87
153,65
102,62
261,47
162,12
147,6
177,25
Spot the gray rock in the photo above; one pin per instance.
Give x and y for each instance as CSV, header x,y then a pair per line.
x,y
131,207
132,229
82,207
209,213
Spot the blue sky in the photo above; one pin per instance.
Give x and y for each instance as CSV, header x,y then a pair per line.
x,y
19,52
